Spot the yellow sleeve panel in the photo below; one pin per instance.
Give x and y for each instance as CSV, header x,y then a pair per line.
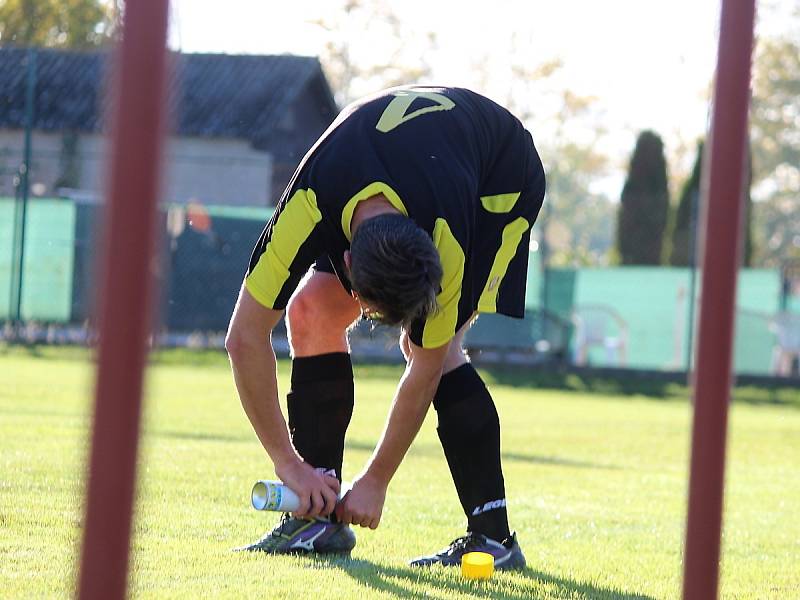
x,y
512,234
501,203
373,189
292,228
441,327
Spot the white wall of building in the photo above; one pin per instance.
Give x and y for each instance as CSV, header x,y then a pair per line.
x,y
208,170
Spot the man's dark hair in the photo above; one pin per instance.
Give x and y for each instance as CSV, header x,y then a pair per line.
x,y
395,268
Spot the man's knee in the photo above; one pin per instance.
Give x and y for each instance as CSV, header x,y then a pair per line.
x,y
305,313
319,309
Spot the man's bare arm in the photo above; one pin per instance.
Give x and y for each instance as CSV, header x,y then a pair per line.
x,y
363,504
254,370
411,403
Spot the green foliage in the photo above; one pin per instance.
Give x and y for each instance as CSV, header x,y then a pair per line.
x,y
644,206
747,216
579,224
576,223
395,47
774,121
77,24
682,231
595,475
681,241
775,106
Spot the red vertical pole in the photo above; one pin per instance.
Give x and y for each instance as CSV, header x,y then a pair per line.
x,y
723,184
138,122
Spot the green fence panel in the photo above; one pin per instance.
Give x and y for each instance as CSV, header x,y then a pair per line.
x,y
48,260
758,300
759,290
560,288
533,289
654,304
653,301
754,343
6,254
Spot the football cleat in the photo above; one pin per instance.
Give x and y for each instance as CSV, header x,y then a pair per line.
x,y
507,554
294,535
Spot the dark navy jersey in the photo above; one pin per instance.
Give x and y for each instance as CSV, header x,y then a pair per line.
x,y
460,166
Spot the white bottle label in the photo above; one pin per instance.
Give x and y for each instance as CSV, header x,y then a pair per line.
x,y
274,495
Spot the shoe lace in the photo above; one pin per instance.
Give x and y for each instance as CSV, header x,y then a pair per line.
x,y
282,524
278,531
464,543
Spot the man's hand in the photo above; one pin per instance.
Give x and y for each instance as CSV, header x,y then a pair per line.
x,y
317,492
363,504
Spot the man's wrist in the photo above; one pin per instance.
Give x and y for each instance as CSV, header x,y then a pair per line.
x,y
286,460
377,474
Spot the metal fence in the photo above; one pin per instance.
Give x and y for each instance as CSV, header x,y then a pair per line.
x,y
590,315
203,259
632,317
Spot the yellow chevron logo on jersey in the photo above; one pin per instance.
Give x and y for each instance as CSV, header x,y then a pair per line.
x,y
395,113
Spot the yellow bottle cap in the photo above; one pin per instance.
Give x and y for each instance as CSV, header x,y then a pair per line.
x,y
477,565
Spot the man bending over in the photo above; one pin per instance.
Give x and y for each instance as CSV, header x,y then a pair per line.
x,y
414,209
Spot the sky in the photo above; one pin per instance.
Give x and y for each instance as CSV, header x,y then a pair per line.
x,y
648,64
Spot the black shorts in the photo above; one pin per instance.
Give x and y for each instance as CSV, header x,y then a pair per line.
x,y
326,264
499,261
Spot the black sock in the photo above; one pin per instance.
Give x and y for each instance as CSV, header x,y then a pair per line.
x,y
469,430
320,405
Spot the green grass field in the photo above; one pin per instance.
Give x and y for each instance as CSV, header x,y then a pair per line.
x,y
596,483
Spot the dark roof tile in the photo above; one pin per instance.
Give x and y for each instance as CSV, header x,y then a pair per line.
x,y
214,95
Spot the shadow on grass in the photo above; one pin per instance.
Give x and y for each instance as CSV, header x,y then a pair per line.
x,y
426,450
616,383
556,460
200,436
658,385
401,582
431,450
44,351
774,395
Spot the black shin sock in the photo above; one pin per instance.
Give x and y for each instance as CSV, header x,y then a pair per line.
x,y
320,405
469,430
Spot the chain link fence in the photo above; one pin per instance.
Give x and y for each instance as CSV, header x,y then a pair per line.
x,y
581,309
630,317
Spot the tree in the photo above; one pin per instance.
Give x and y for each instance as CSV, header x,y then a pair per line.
x,y
687,214
685,222
78,24
778,220
368,48
747,213
642,216
577,222
774,114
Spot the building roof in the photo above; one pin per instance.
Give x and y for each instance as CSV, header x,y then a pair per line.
x,y
214,95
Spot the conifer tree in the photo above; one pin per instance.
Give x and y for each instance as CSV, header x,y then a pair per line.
x,y
686,224
644,205
686,216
